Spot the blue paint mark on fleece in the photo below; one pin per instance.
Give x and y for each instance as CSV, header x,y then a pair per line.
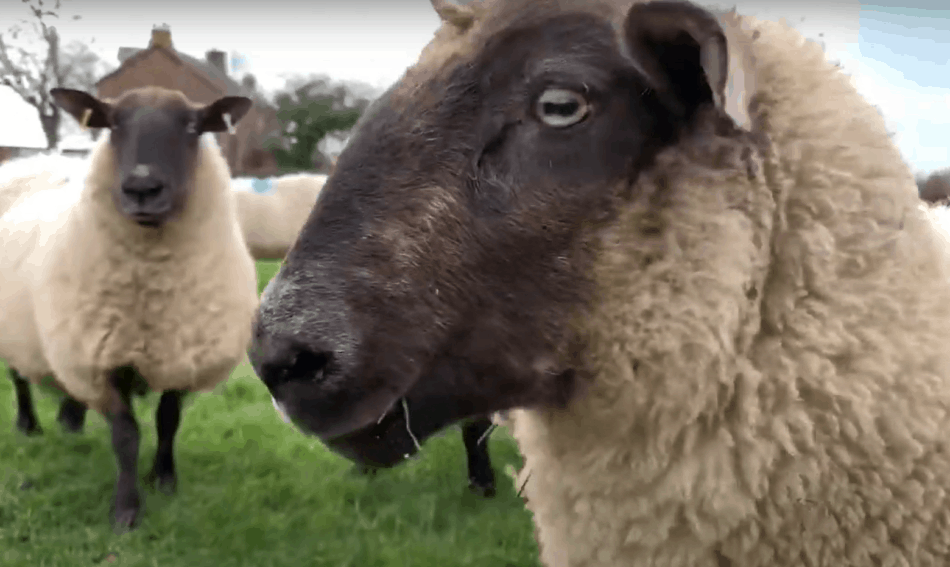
x,y
262,186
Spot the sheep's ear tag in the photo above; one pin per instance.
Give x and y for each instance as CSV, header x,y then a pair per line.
x,y
262,186
227,122
84,121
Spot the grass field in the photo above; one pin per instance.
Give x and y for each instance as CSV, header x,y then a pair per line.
x,y
251,492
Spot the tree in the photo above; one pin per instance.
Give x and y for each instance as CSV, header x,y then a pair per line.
x,y
309,109
31,73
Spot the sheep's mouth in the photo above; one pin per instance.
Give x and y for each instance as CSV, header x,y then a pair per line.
x,y
148,220
386,443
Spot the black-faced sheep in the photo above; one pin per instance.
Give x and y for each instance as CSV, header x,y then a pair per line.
x,y
272,211
140,279
681,242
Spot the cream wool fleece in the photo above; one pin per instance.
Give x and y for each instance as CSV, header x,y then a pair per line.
x,y
771,381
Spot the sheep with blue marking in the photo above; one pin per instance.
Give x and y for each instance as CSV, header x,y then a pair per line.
x,y
272,210
139,280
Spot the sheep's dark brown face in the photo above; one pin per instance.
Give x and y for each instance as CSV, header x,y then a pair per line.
x,y
154,134
437,274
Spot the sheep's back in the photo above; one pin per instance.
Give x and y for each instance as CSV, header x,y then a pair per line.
x,y
273,211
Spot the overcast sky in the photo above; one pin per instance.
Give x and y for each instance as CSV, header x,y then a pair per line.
x,y
898,54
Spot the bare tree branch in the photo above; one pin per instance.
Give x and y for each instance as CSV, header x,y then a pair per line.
x,y
31,73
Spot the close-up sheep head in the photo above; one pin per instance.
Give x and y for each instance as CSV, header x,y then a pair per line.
x,y
154,133
439,270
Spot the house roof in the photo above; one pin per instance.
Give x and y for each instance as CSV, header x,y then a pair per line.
x,y
129,55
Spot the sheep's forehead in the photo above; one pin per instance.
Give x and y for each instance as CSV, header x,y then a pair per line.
x,y
145,101
451,48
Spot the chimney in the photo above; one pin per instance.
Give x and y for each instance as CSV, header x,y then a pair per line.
x,y
161,37
218,59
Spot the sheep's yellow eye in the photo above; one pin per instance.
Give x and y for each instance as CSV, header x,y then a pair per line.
x,y
560,108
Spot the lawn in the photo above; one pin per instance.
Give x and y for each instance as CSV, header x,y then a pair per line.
x,y
251,491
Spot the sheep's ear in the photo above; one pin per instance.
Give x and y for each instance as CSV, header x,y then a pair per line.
x,y
459,16
85,108
683,50
222,113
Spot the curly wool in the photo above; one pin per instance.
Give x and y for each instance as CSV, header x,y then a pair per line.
x,y
770,377
272,219
84,290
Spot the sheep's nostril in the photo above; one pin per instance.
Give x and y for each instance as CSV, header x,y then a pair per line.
x,y
143,191
298,366
309,366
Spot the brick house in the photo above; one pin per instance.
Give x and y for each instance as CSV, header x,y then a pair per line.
x,y
202,81
935,188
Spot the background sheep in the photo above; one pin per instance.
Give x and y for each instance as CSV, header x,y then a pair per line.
x,y
19,179
162,294
481,474
18,175
272,210
681,242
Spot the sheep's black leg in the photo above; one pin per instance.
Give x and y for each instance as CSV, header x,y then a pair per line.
x,y
167,418
26,420
125,444
480,474
72,415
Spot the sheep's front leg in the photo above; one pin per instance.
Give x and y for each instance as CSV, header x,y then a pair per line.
x,y
167,418
480,474
72,415
26,420
125,444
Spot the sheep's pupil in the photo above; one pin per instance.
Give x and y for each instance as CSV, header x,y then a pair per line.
x,y
561,108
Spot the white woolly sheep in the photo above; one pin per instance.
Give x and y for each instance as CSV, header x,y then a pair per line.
x,y
20,178
272,210
680,243
17,174
141,280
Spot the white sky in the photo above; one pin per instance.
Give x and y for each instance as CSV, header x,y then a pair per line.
x,y
893,53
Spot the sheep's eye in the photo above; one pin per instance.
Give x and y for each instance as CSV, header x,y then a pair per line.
x,y
560,108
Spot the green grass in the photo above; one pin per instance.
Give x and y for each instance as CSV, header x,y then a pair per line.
x,y
252,491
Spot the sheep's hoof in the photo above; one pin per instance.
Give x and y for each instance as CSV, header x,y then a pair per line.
x,y
364,470
72,416
166,483
126,515
125,521
28,426
486,490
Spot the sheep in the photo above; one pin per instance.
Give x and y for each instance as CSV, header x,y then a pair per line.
x,y
140,280
20,178
17,176
54,164
272,210
679,245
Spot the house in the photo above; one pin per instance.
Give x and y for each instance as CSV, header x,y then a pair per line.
x,y
935,188
22,132
202,81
